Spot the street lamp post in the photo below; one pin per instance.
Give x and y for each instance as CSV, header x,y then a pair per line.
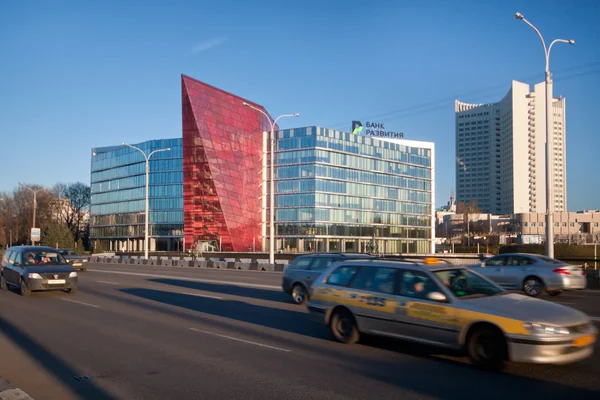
x,y
35,192
272,175
549,141
147,158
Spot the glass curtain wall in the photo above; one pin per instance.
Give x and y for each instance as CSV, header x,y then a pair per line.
x,y
118,197
336,191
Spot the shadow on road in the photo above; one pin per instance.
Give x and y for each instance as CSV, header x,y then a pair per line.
x,y
276,318
53,364
254,293
446,378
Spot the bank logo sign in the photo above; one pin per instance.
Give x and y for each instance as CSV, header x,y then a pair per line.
x,y
376,129
357,127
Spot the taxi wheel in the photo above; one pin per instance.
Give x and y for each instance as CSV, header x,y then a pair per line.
x,y
299,294
533,287
343,327
24,290
487,348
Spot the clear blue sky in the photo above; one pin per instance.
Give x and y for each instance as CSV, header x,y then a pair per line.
x,y
80,74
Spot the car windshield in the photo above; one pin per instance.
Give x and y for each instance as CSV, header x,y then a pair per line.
x,y
68,252
464,283
42,258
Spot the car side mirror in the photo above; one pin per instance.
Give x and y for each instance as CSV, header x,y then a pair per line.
x,y
437,296
16,264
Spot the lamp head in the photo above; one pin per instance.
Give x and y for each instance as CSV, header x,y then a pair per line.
x,y
123,143
296,115
168,149
571,42
519,16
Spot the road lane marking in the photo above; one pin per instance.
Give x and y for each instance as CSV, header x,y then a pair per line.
x,y
183,278
81,302
563,302
241,340
109,283
203,295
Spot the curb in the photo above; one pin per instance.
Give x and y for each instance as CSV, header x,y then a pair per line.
x,y
8,392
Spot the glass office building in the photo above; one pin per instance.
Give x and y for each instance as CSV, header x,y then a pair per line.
x,y
334,191
118,197
337,191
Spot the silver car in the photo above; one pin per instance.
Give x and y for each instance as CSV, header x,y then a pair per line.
x,y
448,306
533,274
302,272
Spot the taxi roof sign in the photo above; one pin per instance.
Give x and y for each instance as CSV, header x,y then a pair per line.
x,y
431,261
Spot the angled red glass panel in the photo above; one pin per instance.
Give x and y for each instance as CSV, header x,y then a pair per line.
x,y
221,138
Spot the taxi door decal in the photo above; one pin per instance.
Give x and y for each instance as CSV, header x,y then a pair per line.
x,y
376,302
401,307
431,312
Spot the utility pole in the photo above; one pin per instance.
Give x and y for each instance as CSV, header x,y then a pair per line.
x,y
34,191
147,212
549,136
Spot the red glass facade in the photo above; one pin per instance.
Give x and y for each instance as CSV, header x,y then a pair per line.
x,y
222,161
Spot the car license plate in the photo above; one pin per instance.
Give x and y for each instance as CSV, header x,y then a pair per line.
x,y
584,340
56,281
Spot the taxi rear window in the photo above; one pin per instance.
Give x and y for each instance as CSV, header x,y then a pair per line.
x,y
342,276
375,279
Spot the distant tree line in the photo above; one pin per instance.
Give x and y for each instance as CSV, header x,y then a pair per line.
x,y
62,214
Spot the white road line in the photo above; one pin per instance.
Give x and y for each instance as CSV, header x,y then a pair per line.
x,y
183,278
240,340
563,302
81,302
203,295
109,283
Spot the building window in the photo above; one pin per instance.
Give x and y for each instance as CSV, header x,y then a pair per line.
x,y
533,224
556,224
564,224
526,224
595,224
541,224
572,224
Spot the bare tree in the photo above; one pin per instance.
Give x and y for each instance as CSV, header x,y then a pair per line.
x,y
467,208
72,207
16,212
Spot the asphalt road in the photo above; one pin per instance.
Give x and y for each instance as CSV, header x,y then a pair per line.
x,y
137,332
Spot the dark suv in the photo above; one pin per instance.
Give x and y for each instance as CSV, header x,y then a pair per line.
x,y
304,269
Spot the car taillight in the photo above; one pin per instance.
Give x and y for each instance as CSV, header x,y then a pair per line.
x,y
562,271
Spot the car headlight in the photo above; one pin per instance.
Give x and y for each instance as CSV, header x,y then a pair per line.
x,y
34,276
73,274
541,329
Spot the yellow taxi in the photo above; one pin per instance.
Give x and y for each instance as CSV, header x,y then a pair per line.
x,y
449,306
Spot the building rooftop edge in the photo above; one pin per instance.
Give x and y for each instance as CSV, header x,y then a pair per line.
x,y
407,142
105,149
